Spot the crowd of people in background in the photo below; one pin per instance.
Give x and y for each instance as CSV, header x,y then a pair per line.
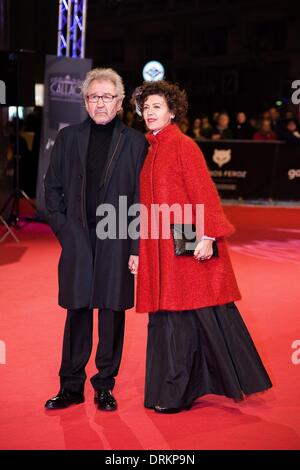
x,y
270,126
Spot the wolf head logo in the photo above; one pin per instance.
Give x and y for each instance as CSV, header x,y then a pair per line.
x,y
220,157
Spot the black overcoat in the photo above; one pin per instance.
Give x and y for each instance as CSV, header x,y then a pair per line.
x,y
106,282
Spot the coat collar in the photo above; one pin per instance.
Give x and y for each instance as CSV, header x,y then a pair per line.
x,y
117,142
166,133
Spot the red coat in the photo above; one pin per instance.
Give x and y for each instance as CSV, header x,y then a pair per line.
x,y
175,172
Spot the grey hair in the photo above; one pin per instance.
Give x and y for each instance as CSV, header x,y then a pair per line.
x,y
101,74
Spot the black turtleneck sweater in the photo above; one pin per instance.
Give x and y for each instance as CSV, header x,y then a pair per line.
x,y
99,143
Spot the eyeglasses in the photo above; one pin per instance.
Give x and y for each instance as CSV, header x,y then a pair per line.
x,y
106,98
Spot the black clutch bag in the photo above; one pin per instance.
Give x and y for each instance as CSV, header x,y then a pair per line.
x,y
185,240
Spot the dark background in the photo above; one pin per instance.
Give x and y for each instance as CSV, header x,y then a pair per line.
x,y
228,54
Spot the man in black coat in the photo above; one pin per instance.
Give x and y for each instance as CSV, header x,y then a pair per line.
x,y
92,164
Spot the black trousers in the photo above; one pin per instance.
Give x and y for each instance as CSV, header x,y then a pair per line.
x,y
78,342
77,348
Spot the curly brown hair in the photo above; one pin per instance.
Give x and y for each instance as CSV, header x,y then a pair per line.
x,y
176,99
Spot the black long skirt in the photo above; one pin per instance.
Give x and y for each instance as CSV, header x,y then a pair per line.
x,y
197,352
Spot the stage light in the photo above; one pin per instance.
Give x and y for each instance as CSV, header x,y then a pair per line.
x,y
12,112
153,71
39,94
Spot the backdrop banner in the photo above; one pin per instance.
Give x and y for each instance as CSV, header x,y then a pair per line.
x,y
63,105
254,170
286,179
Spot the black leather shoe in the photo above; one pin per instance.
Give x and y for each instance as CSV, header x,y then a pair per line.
x,y
105,400
63,399
166,410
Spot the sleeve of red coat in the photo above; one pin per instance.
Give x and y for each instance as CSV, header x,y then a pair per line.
x,y
201,189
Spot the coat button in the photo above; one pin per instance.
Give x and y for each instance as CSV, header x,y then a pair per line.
x,y
80,176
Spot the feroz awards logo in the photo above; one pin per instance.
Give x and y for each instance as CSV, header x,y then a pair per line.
x,y
220,157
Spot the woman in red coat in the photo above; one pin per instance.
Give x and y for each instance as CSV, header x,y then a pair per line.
x,y
197,340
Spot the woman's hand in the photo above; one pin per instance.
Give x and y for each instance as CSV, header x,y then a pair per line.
x,y
203,250
133,264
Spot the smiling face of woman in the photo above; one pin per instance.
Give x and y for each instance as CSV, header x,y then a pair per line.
x,y
156,113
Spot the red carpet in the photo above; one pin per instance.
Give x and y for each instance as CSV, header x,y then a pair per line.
x,y
266,255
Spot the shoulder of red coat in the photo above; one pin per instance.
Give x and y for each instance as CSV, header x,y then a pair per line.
x,y
187,143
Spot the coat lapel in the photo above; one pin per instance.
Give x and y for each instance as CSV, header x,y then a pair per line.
x,y
115,148
83,138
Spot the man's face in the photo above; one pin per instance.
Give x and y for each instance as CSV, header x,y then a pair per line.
x,y
102,112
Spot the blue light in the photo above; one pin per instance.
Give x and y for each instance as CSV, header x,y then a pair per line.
x,y
153,71
71,28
